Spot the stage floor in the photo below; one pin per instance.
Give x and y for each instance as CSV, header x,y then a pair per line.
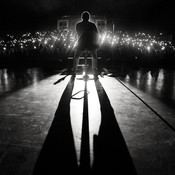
x,y
53,122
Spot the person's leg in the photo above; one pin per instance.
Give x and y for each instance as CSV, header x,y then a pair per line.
x,y
76,60
94,62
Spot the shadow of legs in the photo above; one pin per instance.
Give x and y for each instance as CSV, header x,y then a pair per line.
x,y
111,155
58,152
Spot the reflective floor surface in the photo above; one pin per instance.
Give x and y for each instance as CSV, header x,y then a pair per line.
x,y
48,115
159,83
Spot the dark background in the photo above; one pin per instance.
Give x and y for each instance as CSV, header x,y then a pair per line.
x,y
27,15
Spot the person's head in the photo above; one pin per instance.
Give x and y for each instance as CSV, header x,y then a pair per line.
x,y
85,16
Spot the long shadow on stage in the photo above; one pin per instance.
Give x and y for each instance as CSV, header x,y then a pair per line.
x,y
111,155
58,154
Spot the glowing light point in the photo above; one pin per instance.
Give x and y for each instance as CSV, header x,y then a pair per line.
x,y
148,48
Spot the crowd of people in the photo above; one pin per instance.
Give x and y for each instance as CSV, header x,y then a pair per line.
x,y
117,46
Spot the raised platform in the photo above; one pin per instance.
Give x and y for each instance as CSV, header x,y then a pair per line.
x,y
84,127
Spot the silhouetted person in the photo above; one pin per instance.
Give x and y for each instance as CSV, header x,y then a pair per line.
x,y
87,40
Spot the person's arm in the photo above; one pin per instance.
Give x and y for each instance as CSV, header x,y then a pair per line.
x,y
77,30
95,28
96,36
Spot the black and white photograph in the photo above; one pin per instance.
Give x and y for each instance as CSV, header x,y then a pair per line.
x,y
87,87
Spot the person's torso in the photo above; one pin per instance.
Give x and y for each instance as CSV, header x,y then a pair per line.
x,y
87,35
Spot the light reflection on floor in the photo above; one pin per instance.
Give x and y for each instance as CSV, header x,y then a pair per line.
x,y
159,83
76,113
16,78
